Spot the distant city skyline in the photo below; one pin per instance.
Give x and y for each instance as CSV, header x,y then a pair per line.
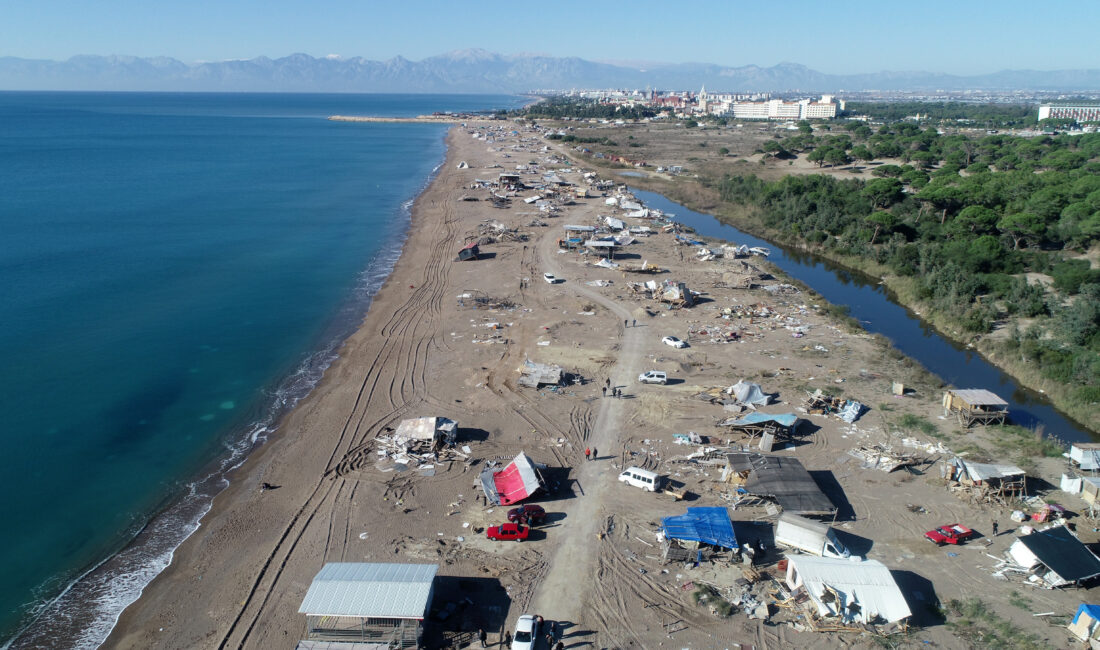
x,y
859,36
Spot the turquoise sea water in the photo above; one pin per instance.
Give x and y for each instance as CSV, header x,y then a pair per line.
x,y
175,270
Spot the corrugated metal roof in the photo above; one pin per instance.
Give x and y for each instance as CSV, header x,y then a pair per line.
x,y
867,583
370,589
979,397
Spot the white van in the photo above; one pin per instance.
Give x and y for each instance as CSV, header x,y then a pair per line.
x,y
642,478
793,531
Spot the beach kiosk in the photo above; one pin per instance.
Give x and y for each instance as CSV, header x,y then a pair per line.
x,y
367,604
974,405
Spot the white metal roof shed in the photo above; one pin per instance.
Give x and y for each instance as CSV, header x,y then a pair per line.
x,y
867,583
370,590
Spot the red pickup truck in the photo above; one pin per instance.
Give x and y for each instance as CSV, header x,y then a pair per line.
x,y
949,534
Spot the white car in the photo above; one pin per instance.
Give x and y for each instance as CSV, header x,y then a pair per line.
x,y
550,279
674,342
527,633
653,377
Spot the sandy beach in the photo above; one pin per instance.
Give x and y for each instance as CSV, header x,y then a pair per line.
x,y
427,348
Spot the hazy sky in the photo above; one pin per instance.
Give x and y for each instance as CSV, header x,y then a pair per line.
x,y
960,37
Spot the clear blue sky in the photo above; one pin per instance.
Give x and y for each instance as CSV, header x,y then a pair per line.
x,y
959,37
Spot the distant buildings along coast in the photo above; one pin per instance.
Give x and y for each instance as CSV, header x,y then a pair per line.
x,y
1078,112
756,106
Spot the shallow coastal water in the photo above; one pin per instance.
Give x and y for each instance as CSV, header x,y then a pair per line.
x,y
178,269
875,308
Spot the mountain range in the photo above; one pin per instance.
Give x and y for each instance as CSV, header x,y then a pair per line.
x,y
479,71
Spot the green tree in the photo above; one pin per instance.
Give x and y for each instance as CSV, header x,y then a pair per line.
x,y
883,192
805,128
1022,227
837,157
818,156
881,220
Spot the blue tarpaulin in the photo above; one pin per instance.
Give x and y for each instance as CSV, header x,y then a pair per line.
x,y
1092,610
707,525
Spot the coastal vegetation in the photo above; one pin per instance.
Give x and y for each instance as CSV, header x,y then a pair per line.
x,y
988,234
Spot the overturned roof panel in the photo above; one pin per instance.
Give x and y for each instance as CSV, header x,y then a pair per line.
x,y
518,480
1061,552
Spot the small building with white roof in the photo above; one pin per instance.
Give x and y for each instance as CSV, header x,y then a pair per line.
x,y
368,604
848,591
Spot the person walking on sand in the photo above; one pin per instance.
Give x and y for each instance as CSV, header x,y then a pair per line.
x,y
605,391
594,453
624,323
608,382
995,527
481,636
587,453
634,322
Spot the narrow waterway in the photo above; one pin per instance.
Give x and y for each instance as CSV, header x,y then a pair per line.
x,y
876,309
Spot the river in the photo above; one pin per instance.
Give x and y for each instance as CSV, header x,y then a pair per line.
x,y
878,312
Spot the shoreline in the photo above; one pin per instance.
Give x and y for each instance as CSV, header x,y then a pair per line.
x,y
431,119
152,548
246,475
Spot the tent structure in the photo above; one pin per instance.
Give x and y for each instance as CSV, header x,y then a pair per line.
x,y
516,481
697,534
749,394
368,603
1055,557
846,591
778,478
1086,622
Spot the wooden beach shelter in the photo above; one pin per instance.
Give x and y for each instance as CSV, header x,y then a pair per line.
x,y
974,405
367,604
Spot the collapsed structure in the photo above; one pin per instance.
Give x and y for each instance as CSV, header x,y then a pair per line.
x,y
985,481
847,593
1054,558
697,535
777,478
515,482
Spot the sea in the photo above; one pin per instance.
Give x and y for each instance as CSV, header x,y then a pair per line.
x,y
177,270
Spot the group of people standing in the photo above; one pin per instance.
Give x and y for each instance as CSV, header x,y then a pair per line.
x,y
615,392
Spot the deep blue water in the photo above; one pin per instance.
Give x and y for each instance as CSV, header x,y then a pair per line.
x,y
175,270
876,309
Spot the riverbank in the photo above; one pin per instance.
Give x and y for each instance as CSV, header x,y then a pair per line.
x,y
691,193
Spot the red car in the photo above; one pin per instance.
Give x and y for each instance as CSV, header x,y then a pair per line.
x,y
506,532
527,514
950,534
